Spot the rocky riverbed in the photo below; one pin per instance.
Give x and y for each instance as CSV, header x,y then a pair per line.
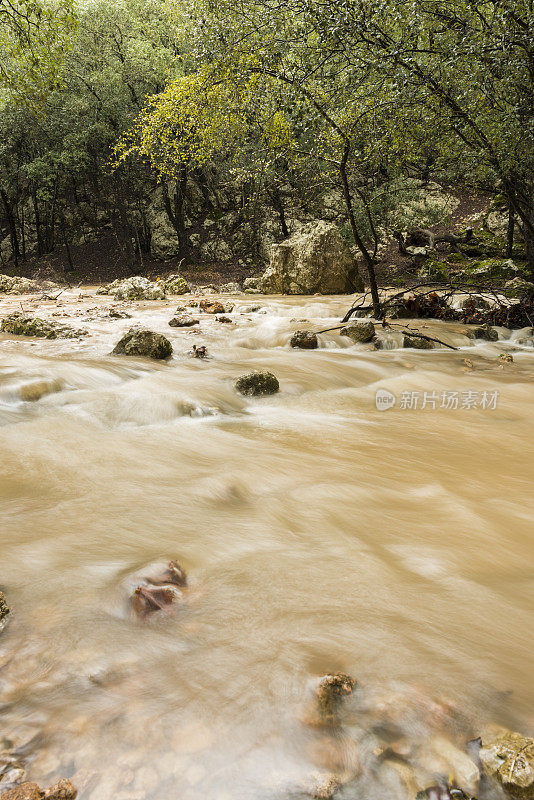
x,y
354,524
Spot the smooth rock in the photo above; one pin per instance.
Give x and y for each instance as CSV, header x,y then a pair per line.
x,y
139,342
305,340
257,383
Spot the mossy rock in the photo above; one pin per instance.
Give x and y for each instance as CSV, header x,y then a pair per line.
x,y
176,284
23,325
305,340
257,384
359,331
417,343
486,332
139,342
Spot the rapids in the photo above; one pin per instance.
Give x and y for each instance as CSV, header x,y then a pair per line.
x,y
318,532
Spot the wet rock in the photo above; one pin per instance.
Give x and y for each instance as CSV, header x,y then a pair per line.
x,y
509,758
4,610
417,343
137,288
359,331
183,321
176,284
315,258
62,790
223,319
330,692
18,285
486,332
305,340
23,325
159,592
211,306
117,313
257,383
199,352
139,342
228,307
249,309
25,791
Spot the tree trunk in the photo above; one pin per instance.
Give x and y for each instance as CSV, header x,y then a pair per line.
x,y
12,224
369,263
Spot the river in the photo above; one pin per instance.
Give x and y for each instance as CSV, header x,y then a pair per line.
x,y
318,532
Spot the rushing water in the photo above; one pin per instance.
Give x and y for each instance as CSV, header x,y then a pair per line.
x,y
318,533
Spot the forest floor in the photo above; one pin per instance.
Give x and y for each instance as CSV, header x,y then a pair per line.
x,y
105,258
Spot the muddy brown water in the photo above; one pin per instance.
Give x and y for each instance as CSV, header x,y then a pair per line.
x,y
318,532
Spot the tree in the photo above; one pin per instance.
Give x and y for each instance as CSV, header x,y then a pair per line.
x,y
34,37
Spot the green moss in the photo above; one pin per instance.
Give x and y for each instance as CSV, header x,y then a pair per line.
x,y
22,325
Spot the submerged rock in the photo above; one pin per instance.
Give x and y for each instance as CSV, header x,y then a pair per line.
x,y
305,340
359,331
176,284
257,383
21,324
139,342
223,319
315,258
183,321
417,343
509,758
486,332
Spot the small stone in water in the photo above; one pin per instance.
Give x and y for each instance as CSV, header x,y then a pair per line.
x,y
305,340
199,352
223,319
257,383
4,608
211,307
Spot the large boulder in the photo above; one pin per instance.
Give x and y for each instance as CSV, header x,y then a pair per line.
x,y
509,758
315,258
139,288
21,324
140,342
18,285
176,284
